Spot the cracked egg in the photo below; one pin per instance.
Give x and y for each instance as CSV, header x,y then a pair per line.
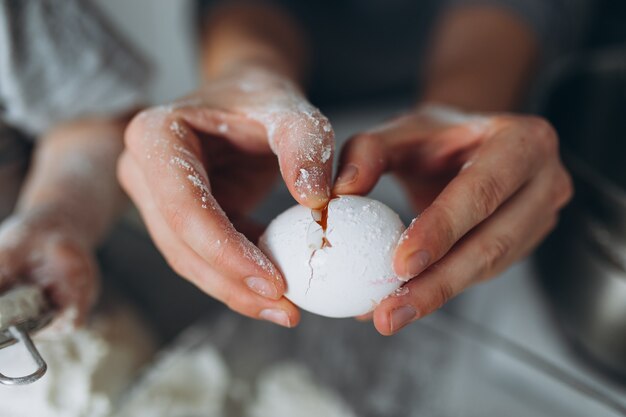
x,y
337,261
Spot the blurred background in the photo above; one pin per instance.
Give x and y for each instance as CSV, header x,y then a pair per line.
x,y
546,338
567,309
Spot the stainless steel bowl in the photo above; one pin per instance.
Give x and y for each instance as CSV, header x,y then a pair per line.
x,y
582,264
582,267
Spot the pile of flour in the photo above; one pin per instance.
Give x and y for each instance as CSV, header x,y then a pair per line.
x,y
87,370
198,382
95,372
288,390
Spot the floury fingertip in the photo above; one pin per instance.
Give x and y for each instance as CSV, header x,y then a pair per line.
x,y
312,186
413,265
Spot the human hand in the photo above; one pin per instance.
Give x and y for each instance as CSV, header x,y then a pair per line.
x,y
193,167
42,248
488,189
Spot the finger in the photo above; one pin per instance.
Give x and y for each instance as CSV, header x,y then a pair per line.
x,y
515,229
437,285
180,188
363,161
497,170
220,284
70,280
304,143
12,255
9,268
366,156
300,136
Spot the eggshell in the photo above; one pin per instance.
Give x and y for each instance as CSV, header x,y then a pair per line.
x,y
353,272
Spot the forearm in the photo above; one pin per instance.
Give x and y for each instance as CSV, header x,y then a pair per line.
x,y
481,59
252,35
72,179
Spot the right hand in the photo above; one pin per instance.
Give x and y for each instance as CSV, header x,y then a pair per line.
x,y
196,165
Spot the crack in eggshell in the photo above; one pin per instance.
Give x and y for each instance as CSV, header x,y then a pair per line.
x,y
337,281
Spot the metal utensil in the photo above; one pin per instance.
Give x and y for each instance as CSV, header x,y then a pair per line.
x,y
23,311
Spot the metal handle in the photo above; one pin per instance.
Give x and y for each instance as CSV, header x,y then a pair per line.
x,y
20,335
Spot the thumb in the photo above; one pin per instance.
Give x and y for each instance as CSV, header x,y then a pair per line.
x,y
304,142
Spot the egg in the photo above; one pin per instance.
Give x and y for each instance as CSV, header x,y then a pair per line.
x,y
343,269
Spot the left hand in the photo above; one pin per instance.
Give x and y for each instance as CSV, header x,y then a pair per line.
x,y
41,247
488,189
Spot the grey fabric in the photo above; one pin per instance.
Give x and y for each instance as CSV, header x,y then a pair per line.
x,y
60,60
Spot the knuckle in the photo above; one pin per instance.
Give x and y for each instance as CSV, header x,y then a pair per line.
x,y
361,141
133,137
366,139
446,231
176,218
487,194
564,190
215,255
542,131
540,126
445,292
151,119
495,251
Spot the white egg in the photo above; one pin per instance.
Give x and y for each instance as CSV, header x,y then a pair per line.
x,y
342,271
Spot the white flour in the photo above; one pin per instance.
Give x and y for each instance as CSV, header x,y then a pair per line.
x,y
87,370
198,382
91,374
288,390
19,304
181,384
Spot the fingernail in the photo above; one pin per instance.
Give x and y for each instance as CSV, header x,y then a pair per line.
x,y
348,175
312,186
276,316
400,317
262,287
415,263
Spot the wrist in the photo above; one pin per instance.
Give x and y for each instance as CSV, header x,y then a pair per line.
x,y
245,34
255,76
259,67
463,93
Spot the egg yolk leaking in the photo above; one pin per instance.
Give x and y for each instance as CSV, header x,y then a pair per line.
x,y
323,222
317,242
321,218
